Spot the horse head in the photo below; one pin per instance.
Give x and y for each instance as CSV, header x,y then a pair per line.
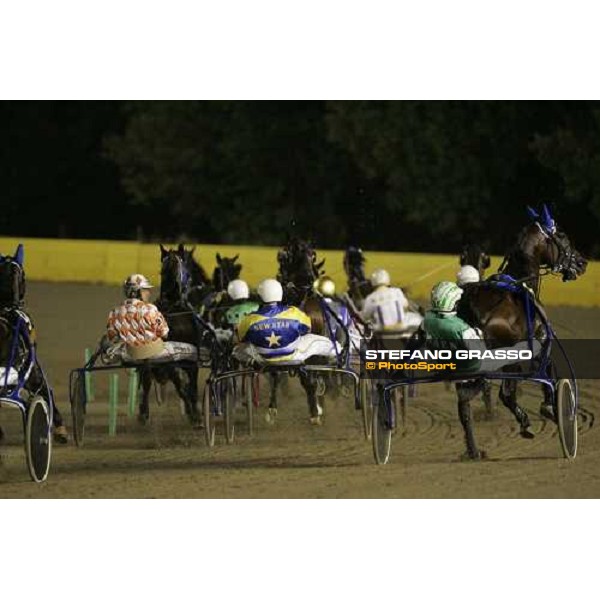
x,y
298,265
354,262
542,244
226,271
198,274
175,278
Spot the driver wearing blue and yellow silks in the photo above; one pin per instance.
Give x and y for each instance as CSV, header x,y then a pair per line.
x,y
275,328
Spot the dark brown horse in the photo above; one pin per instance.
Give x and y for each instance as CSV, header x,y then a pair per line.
x,y
359,287
183,327
226,271
475,256
541,248
298,270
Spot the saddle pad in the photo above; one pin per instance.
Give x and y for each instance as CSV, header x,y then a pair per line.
x,y
13,376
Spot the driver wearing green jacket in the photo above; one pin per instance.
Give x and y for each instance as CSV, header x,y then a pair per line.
x,y
444,329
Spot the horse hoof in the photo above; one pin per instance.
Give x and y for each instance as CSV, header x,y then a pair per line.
x,y
271,416
316,420
547,411
527,433
470,456
60,435
142,419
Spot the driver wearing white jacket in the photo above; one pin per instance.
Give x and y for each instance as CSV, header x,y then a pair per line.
x,y
387,308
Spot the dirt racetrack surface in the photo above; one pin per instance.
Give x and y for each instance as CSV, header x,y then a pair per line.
x,y
291,459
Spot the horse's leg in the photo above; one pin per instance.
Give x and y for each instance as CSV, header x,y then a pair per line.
x,y
486,396
508,395
38,385
466,391
192,373
310,387
271,415
146,383
184,392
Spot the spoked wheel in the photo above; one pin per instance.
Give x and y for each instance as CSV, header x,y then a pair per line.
x,y
38,439
383,424
78,406
566,409
208,414
366,404
228,396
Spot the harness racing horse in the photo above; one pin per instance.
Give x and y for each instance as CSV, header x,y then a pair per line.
x,y
14,349
225,272
475,256
205,294
501,313
183,327
359,287
298,270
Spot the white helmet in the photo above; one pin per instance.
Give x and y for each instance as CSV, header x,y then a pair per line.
x,y
134,284
467,274
270,290
238,290
380,277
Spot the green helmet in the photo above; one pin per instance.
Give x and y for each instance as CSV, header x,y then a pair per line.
x,y
444,296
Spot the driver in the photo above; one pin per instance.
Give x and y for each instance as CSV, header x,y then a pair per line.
x,y
239,292
137,329
325,287
442,323
278,332
387,308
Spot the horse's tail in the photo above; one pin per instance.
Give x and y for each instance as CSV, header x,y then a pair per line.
x,y
312,307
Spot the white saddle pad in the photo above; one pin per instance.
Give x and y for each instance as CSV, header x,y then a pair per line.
x,y
172,352
13,376
305,346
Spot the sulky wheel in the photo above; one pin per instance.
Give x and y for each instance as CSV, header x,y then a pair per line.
x,y
367,390
208,409
383,424
566,410
38,439
78,400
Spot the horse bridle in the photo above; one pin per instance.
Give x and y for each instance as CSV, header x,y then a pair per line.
x,y
567,256
183,281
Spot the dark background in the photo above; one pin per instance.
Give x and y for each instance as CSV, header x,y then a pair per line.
x,y
404,176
